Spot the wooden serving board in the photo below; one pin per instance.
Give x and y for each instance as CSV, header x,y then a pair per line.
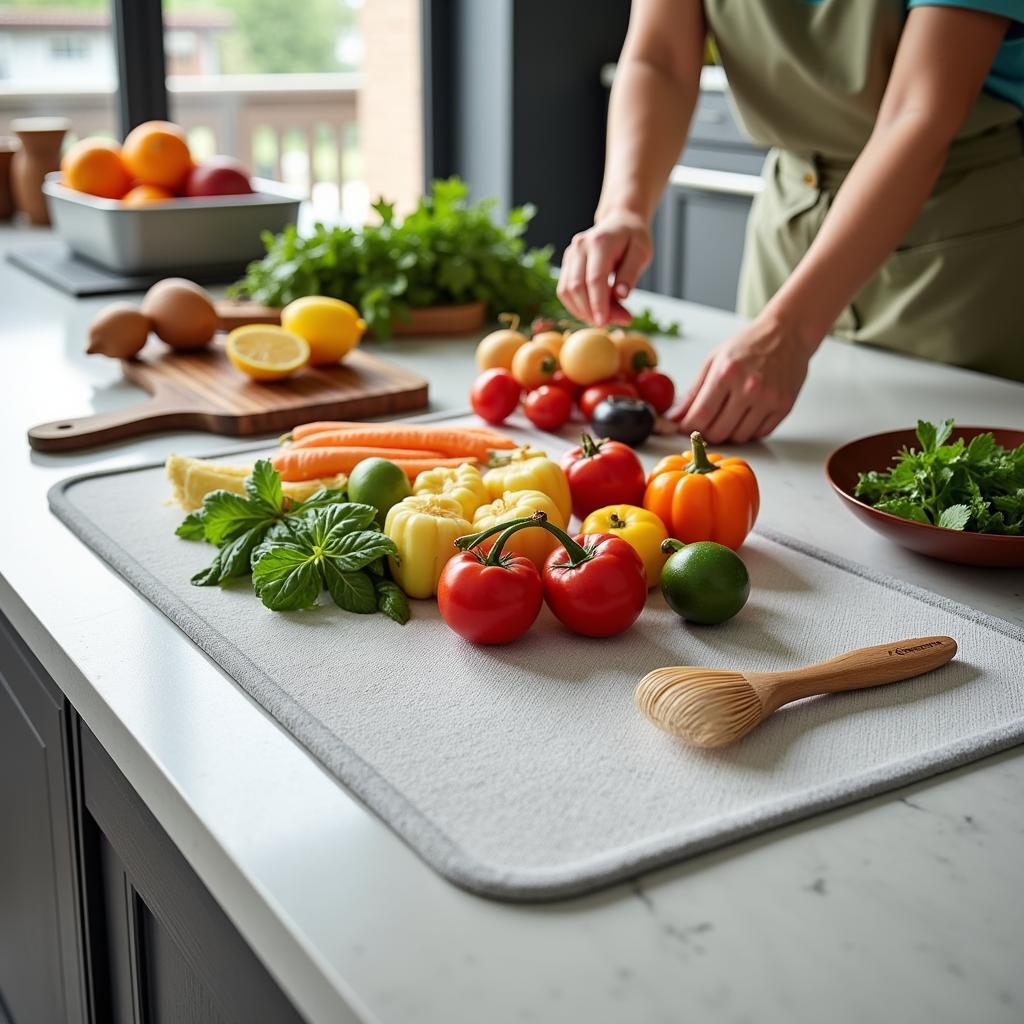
x,y
203,391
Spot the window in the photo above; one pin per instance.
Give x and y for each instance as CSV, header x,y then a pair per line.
x,y
65,47
328,102
58,58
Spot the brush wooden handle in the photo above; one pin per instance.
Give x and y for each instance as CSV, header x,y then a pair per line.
x,y
867,666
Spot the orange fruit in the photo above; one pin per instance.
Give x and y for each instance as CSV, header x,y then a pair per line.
x,y
96,166
147,195
156,153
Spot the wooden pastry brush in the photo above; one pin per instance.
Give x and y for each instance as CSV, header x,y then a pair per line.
x,y
711,707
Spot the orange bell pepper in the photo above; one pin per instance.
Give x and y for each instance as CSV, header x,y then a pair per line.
x,y
701,495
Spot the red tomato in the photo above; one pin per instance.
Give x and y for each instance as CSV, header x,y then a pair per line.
x,y
603,473
488,600
495,395
596,586
570,387
547,407
597,393
656,389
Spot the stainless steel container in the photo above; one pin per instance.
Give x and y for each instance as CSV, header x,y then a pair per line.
x,y
175,235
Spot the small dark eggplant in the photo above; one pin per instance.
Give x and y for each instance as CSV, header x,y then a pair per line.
x,y
629,420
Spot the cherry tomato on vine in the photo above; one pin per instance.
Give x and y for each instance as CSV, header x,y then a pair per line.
x,y
656,389
495,395
597,393
547,407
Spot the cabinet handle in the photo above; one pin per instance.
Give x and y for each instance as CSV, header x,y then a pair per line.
x,y
728,183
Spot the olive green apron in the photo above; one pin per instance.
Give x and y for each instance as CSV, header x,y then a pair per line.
x,y
807,80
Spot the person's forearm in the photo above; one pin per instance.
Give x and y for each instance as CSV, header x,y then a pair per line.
x,y
648,118
872,212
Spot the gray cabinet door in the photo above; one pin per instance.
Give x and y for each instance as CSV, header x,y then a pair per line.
x,y
699,245
41,979
165,952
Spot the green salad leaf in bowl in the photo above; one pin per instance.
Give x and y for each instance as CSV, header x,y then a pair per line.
x,y
975,486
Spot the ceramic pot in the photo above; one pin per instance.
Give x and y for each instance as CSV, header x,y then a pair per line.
x,y
8,147
41,139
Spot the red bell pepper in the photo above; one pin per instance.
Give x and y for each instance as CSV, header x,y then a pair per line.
x,y
490,598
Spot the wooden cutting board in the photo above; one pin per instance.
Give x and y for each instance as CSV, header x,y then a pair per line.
x,y
203,391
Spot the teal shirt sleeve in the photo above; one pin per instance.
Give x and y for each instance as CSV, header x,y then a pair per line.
x,y
1006,79
1007,8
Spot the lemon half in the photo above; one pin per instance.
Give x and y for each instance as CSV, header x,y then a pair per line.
x,y
266,352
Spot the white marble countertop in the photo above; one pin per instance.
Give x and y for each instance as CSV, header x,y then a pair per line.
x,y
905,907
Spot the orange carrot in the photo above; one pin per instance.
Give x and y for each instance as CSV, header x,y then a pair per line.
x,y
312,463
448,442
423,430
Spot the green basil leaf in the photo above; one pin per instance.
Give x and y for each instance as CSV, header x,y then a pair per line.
x,y
352,591
193,526
391,600
263,485
286,577
325,496
233,559
354,551
227,515
324,526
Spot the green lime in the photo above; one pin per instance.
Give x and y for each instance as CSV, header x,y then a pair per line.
x,y
705,582
379,483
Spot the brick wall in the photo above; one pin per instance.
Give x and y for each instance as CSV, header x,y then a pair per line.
x,y
390,117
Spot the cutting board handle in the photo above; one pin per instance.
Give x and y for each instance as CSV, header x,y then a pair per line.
x,y
105,427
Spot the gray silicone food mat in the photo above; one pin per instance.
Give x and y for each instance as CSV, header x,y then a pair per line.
x,y
524,772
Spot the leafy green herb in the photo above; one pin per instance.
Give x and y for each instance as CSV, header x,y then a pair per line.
x,y
447,251
645,322
328,547
391,599
295,551
977,487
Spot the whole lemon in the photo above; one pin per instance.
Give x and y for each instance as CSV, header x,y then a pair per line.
x,y
332,327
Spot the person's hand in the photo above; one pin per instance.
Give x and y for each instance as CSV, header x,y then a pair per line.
x,y
747,385
601,267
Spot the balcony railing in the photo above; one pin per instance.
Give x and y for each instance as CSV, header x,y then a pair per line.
x,y
295,128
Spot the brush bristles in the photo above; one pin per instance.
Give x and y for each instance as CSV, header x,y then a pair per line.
x,y
705,707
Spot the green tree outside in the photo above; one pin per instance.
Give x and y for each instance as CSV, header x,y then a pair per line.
x,y
268,36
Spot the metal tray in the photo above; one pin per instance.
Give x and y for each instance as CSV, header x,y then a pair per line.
x,y
178,234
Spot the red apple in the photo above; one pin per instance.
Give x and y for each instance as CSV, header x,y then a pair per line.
x,y
218,176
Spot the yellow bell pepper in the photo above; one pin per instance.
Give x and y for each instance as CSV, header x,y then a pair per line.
x,y
643,531
536,545
526,469
463,483
424,528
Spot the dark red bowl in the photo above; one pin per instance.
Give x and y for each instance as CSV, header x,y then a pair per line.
x,y
876,453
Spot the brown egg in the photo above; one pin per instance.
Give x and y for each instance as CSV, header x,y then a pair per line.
x,y
182,313
118,330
